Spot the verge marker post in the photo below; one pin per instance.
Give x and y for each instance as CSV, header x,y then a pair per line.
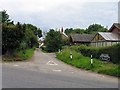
x,y
71,56
91,61
59,50
70,53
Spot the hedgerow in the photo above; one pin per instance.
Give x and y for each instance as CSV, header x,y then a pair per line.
x,y
112,51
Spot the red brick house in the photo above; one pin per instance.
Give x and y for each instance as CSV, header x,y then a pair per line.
x,y
115,28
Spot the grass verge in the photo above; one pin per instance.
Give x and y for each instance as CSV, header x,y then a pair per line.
x,y
83,62
19,55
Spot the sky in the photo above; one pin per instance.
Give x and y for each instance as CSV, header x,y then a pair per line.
x,y
46,14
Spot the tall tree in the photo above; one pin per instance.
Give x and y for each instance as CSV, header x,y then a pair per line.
x,y
5,16
68,30
94,28
53,41
78,30
32,27
39,32
74,31
17,36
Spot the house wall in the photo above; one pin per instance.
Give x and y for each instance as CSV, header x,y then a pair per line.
x,y
98,44
99,41
82,43
103,43
98,38
116,30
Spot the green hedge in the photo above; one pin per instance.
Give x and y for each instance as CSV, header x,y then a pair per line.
x,y
113,52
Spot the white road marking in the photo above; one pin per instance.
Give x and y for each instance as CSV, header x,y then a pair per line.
x,y
57,70
16,65
51,63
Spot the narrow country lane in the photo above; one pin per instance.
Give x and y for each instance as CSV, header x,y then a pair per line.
x,y
45,71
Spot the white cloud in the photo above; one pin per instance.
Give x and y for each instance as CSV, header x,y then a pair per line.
x,y
57,13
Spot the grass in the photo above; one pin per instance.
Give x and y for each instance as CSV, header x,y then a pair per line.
x,y
19,55
26,54
83,62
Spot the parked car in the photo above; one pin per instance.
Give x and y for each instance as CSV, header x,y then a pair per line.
x,y
105,57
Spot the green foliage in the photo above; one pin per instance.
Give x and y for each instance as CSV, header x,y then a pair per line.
x,y
65,41
34,29
79,31
83,62
113,52
43,48
68,31
53,41
30,37
25,54
94,28
5,16
17,36
74,31
39,32
11,36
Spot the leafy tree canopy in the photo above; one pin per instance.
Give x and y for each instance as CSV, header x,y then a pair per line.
x,y
5,16
17,36
94,28
53,41
39,32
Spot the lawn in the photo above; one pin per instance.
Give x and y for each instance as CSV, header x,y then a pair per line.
x,y
83,62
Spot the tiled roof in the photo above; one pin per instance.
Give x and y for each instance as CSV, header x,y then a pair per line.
x,y
81,37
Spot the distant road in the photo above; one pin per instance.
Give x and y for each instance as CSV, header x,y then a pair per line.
x,y
45,71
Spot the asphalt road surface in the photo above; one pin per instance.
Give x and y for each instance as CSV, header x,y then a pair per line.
x,y
45,71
